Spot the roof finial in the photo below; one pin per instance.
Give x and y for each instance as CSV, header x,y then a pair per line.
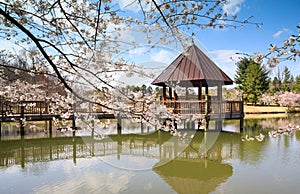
x,y
193,36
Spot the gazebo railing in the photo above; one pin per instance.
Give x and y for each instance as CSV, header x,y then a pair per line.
x,y
204,107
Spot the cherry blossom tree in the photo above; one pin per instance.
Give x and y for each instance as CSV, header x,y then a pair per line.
x,y
289,50
268,99
288,99
79,41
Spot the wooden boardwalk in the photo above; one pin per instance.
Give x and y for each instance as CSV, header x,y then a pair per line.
x,y
36,111
201,109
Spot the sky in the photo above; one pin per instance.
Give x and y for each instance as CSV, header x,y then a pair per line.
x,y
279,19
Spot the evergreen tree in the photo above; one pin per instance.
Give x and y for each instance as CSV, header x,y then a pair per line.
x,y
240,72
297,84
149,90
143,88
275,86
287,79
254,81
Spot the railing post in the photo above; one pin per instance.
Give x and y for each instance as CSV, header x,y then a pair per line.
x,y
22,117
2,111
41,108
50,128
47,107
242,107
119,124
206,105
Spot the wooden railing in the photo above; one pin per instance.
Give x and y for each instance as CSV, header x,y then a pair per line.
x,y
204,107
29,107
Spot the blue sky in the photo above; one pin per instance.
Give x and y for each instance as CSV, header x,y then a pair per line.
x,y
279,19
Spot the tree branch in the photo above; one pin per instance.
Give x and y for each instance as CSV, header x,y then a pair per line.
x,y
47,57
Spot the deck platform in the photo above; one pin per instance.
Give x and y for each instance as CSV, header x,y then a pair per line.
x,y
212,110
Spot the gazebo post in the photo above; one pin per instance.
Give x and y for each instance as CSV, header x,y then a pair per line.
x,y
206,108
164,94
206,90
170,92
186,93
200,91
219,91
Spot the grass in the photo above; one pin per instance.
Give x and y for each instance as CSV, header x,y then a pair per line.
x,y
264,109
268,111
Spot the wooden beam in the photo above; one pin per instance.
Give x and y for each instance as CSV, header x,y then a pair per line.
x,y
200,91
206,90
219,91
170,92
186,93
22,121
164,94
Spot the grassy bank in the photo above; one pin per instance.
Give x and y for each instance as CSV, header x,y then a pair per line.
x,y
268,111
264,109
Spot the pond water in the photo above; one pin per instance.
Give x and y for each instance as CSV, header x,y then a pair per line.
x,y
152,161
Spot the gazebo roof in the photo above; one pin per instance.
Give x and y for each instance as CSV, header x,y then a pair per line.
x,y
192,68
194,175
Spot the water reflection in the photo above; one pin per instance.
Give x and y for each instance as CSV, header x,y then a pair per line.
x,y
196,164
194,176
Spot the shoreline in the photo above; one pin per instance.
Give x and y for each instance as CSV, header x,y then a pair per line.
x,y
268,111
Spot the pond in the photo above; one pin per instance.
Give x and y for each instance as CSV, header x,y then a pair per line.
x,y
152,161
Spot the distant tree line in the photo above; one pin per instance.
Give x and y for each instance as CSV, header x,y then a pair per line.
x,y
285,82
133,88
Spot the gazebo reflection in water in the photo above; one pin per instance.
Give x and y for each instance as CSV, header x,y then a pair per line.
x,y
194,69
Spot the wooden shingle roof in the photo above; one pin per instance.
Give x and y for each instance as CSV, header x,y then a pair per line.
x,y
192,68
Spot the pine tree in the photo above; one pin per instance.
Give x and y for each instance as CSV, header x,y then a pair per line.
x,y
275,86
240,72
287,79
254,81
297,84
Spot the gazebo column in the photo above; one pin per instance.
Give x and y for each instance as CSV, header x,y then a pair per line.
x,y
170,93
200,98
200,91
219,96
206,101
164,94
207,106
186,93
219,91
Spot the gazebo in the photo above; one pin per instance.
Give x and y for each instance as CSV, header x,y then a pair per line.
x,y
193,68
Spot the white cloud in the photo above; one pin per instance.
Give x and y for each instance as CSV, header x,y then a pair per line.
x,y
129,4
8,45
232,7
279,32
133,5
226,60
138,51
163,56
